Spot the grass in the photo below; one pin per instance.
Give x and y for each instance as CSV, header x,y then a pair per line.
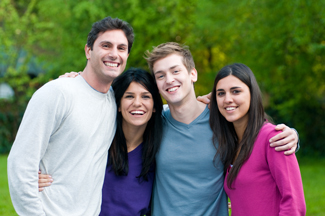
x,y
312,171
6,207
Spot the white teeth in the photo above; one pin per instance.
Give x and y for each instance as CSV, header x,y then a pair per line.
x,y
111,64
137,112
230,108
172,89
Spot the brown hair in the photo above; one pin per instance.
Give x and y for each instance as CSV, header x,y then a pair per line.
x,y
166,49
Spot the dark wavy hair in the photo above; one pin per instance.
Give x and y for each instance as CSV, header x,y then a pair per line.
x,y
109,23
118,154
224,135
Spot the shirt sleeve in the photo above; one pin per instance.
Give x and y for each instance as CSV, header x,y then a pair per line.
x,y
41,118
298,144
285,171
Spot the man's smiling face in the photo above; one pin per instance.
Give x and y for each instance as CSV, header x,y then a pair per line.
x,y
174,81
109,55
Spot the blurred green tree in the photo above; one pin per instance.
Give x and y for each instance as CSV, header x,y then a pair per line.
x,y
282,41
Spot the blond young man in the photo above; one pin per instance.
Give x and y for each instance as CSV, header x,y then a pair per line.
x,y
189,180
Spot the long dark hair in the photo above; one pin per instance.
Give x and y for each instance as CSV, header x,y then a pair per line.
x,y
118,154
224,132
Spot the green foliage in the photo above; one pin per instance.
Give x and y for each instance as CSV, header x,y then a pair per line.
x,y
285,48
17,22
282,41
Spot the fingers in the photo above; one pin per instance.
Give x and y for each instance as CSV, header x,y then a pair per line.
x,y
44,181
285,141
282,139
69,75
286,132
291,151
280,127
205,98
229,205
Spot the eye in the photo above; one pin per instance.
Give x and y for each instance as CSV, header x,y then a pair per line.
x,y
146,96
176,71
159,76
220,94
236,91
128,96
122,48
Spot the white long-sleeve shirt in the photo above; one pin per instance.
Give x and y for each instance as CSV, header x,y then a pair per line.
x,y
66,131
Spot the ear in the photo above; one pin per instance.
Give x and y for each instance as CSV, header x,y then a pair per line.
x,y
154,110
119,109
87,51
193,75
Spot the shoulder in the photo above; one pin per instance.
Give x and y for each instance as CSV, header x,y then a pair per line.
x,y
60,86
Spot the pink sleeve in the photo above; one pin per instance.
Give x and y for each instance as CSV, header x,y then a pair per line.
x,y
285,171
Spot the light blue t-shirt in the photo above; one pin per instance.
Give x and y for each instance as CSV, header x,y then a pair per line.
x,y
188,182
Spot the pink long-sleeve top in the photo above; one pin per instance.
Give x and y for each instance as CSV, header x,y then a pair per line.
x,y
268,183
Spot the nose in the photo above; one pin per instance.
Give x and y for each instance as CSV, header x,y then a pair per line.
x,y
228,98
113,53
137,102
169,78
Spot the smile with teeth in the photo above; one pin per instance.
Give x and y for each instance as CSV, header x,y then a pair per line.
x,y
111,64
137,112
230,108
172,89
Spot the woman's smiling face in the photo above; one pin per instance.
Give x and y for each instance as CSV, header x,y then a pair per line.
x,y
136,105
233,99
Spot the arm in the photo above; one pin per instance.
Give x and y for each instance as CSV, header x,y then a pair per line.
x,y
286,174
30,145
286,140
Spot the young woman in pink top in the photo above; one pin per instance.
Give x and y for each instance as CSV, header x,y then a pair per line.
x,y
258,180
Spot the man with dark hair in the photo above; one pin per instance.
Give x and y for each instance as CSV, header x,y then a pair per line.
x,y
67,129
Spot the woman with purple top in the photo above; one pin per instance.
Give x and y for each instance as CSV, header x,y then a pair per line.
x,y
130,170
258,180
131,159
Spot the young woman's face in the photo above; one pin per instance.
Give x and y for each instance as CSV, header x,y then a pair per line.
x,y
233,99
136,106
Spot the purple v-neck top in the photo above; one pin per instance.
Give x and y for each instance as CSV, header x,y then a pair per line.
x,y
126,195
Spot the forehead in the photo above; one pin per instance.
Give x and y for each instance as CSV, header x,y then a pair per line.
x,y
115,36
167,62
229,82
136,87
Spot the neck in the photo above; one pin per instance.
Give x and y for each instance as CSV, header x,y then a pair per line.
x,y
240,129
96,82
133,136
188,111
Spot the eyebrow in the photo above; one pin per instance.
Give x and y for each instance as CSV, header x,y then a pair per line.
x,y
171,68
232,88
